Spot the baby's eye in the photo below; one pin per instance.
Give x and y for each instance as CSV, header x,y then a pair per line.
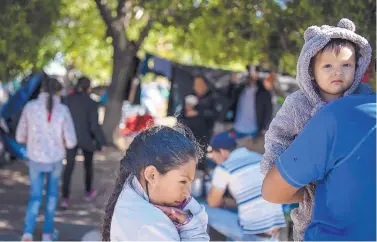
x,y
327,66
183,182
347,65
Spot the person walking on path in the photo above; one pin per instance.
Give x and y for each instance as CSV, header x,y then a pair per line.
x,y
47,128
90,137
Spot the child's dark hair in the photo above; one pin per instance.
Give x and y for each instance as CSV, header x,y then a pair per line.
x,y
334,45
160,146
51,86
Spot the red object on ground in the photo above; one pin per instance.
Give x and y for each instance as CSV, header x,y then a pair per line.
x,y
135,123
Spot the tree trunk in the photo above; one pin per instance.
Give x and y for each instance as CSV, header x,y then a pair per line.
x,y
123,61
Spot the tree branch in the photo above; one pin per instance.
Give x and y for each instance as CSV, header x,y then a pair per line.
x,y
124,11
105,13
121,9
144,32
283,43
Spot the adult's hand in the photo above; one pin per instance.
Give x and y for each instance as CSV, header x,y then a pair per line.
x,y
175,214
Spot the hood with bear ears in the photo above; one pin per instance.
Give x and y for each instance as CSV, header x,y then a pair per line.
x,y
316,37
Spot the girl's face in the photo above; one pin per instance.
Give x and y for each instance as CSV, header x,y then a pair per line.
x,y
173,187
334,73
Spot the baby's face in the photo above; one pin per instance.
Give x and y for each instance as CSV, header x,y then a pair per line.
x,y
334,73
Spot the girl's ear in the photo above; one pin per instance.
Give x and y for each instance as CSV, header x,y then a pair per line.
x,y
150,174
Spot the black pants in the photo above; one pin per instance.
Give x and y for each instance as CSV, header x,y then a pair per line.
x,y
71,159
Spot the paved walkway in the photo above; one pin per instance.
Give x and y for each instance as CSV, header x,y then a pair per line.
x,y
74,223
79,223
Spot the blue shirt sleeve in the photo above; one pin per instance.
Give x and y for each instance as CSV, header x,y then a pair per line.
x,y
308,157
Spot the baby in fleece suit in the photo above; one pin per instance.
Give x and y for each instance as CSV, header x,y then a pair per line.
x,y
331,65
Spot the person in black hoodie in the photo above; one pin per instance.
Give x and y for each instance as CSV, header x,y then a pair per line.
x,y
90,137
199,113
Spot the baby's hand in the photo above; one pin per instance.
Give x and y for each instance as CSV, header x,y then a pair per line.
x,y
184,203
175,214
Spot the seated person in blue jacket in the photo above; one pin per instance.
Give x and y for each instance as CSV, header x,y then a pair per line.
x,y
238,172
337,150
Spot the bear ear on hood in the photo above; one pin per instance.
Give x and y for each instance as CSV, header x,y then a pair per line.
x,y
346,24
311,32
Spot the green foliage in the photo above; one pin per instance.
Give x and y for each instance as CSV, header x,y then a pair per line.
x,y
23,24
80,36
225,34
230,34
300,14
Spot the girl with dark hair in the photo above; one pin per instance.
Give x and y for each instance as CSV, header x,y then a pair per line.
x,y
46,127
151,199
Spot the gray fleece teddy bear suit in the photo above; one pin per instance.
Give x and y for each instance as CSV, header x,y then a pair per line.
x,y
303,104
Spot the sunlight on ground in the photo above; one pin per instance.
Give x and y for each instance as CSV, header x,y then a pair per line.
x,y
13,178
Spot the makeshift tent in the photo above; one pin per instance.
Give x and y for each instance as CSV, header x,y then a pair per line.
x,y
11,112
182,79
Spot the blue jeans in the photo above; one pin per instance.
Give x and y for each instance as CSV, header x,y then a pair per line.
x,y
240,135
226,222
37,178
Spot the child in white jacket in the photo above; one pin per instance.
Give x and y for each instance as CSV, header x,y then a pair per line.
x,y
151,199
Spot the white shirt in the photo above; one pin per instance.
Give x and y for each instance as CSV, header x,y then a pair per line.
x,y
240,173
46,141
246,116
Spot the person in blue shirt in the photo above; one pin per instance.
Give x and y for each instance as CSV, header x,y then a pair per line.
x,y
337,150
